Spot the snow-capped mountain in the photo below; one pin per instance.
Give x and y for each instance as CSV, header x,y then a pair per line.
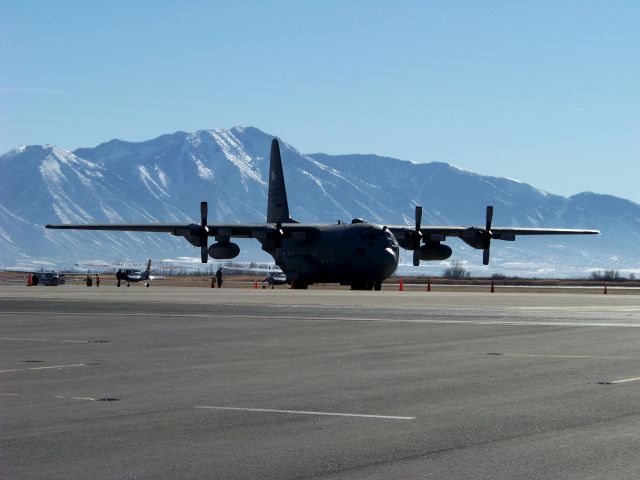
x,y
164,180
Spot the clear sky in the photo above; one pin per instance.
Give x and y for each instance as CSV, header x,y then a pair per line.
x,y
547,92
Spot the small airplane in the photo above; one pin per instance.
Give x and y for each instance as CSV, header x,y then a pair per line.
x,y
358,254
272,276
135,276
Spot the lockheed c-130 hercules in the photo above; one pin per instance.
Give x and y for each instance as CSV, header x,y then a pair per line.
x,y
359,254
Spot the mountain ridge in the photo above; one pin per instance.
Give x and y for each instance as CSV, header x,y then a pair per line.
x,y
165,178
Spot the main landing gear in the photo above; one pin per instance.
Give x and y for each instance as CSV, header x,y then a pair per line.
x,y
370,285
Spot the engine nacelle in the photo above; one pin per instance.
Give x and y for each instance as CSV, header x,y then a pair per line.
x,y
473,237
435,251
224,250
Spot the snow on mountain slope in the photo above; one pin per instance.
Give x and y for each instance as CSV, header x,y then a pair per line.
x,y
164,180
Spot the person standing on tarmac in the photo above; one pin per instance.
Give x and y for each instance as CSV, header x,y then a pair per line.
x,y
219,277
97,280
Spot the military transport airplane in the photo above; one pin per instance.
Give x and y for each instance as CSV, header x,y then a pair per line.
x,y
359,254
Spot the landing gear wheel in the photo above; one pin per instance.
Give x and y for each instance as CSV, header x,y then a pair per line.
x,y
362,286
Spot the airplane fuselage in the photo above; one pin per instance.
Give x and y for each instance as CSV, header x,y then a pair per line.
x,y
357,254
132,276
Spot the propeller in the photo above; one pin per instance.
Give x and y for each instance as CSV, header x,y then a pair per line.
x,y
275,235
278,235
487,236
204,232
417,237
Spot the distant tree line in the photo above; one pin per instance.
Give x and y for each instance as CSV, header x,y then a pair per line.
x,y
456,270
611,276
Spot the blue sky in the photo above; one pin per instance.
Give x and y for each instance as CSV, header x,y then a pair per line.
x,y
545,92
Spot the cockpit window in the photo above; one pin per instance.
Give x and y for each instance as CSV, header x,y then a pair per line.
x,y
390,237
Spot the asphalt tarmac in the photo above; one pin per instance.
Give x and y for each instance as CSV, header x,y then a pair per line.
x,y
205,383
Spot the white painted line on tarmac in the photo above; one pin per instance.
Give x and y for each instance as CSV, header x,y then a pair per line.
x,y
302,412
44,368
11,339
604,308
65,397
625,380
115,314
515,323
566,356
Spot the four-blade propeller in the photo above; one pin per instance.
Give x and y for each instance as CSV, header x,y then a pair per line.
x,y
278,234
487,236
417,237
204,232
479,238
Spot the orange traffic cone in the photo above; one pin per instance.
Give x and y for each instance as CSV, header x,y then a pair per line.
x,y
429,285
29,281
255,283
401,288
493,287
213,282
605,289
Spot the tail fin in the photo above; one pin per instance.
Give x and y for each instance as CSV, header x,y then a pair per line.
x,y
277,206
148,270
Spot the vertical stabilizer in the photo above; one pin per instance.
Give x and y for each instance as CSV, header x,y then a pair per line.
x,y
148,270
277,206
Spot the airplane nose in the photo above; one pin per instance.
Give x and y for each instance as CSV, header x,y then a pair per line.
x,y
392,253
390,260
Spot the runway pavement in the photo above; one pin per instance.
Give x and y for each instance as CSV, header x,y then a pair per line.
x,y
206,383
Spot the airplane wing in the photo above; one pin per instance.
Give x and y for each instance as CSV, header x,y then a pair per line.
x,y
439,233
271,235
198,234
509,233
411,237
237,230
